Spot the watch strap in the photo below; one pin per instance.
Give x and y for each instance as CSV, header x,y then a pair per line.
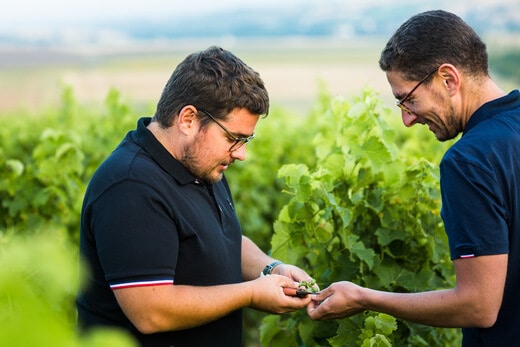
x,y
269,267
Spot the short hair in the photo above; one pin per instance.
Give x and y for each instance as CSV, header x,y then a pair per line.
x,y
214,80
430,39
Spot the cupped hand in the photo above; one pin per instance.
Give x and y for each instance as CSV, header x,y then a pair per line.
x,y
293,272
268,295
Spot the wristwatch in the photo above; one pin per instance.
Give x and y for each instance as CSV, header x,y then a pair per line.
x,y
269,267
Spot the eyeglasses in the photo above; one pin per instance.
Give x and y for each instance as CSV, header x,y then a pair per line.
x,y
400,103
239,141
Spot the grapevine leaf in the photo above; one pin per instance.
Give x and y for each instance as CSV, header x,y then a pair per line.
x,y
269,329
377,341
385,323
280,242
391,275
292,173
376,153
284,215
335,164
358,249
385,236
14,166
357,110
347,334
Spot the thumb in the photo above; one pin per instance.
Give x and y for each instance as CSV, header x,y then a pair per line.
x,y
313,309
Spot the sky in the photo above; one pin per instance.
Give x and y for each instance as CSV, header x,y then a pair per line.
x,y
34,13
80,20
35,20
37,12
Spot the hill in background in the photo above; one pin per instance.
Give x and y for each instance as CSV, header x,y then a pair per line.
x,y
295,44
339,19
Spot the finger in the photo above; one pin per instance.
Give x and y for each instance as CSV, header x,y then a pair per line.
x,y
289,291
313,311
319,297
297,292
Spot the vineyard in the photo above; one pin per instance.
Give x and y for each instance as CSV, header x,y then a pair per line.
x,y
344,191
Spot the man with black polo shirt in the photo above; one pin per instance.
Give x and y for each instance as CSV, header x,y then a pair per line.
x,y
159,232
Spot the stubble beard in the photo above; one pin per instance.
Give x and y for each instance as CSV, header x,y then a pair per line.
x,y
453,127
192,165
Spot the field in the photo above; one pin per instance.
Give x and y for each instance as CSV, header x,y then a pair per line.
x,y
292,71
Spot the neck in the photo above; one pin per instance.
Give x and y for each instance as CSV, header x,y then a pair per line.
x,y
479,94
166,136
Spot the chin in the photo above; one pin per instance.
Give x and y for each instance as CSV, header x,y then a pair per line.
x,y
214,178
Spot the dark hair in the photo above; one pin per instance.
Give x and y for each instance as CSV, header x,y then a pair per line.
x,y
430,39
214,80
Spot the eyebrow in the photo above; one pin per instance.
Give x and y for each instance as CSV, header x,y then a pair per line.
x,y
401,95
241,135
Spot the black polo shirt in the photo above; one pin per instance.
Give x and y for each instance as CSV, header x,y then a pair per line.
x,y
147,221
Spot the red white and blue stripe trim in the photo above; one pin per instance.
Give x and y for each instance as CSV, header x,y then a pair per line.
x,y
141,284
467,256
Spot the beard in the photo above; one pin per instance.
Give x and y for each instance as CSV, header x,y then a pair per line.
x,y
191,162
450,128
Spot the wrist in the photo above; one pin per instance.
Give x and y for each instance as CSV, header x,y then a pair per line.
x,y
270,267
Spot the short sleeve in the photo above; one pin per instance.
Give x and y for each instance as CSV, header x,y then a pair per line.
x,y
472,210
136,237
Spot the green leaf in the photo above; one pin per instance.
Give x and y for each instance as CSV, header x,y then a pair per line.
x,y
376,153
391,275
293,173
16,167
281,241
385,323
358,249
347,334
385,236
377,341
269,329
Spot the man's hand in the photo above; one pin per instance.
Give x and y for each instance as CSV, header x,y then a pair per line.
x,y
339,300
268,295
292,272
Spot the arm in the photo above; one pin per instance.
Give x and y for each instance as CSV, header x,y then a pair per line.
x,y
474,302
174,307
162,308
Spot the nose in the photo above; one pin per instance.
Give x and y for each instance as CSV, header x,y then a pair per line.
x,y
239,153
409,119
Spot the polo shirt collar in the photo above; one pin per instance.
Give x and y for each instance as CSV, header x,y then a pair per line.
x,y
156,150
491,108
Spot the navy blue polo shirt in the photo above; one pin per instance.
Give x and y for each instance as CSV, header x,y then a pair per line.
x,y
480,186
147,221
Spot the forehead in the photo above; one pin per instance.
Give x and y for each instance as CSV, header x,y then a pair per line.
x,y
241,122
400,87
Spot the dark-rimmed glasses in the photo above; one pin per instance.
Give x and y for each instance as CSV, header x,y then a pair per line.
x,y
400,103
239,141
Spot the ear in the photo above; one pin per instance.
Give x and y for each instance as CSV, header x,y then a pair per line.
x,y
188,120
451,78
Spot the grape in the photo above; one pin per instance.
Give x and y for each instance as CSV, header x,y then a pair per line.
x,y
308,286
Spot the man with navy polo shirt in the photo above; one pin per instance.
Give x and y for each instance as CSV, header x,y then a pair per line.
x,y
437,67
159,233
